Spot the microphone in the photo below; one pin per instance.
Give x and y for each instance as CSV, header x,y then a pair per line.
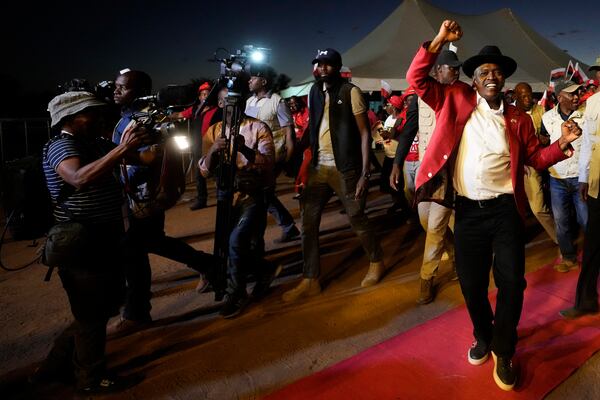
x,y
172,95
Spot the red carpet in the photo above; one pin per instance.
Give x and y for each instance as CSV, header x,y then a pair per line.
x,y
429,361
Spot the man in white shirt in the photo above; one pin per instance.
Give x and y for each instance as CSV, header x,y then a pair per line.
x,y
586,297
564,184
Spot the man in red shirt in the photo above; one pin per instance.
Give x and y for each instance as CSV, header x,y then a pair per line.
x,y
475,161
201,118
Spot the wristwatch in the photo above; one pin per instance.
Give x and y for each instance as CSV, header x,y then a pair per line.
x,y
366,175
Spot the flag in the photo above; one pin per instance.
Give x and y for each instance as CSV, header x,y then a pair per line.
x,y
569,71
546,100
578,75
556,74
386,89
346,73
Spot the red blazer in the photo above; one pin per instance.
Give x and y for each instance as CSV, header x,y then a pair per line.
x,y
453,105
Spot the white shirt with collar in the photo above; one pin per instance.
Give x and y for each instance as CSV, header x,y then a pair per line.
x,y
482,169
553,121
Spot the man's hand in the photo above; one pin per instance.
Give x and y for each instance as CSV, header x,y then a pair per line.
x,y
570,132
385,134
583,190
362,186
134,136
219,144
450,31
395,177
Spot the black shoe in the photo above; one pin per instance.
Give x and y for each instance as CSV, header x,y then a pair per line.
x,y
198,204
504,372
44,375
478,353
265,279
289,236
215,275
574,313
234,304
110,384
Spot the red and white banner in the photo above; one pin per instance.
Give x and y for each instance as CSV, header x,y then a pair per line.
x,y
557,73
386,89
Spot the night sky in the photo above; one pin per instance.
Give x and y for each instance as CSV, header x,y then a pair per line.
x,y
50,43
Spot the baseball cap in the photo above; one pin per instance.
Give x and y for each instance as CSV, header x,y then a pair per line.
x,y
396,101
565,86
204,86
331,56
449,58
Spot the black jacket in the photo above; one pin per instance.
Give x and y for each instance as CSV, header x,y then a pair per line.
x,y
345,135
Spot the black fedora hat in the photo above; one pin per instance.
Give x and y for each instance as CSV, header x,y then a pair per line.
x,y
492,55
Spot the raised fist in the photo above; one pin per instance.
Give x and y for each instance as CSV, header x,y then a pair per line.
x,y
450,31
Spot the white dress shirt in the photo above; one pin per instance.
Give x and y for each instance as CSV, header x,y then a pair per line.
x,y
588,139
482,169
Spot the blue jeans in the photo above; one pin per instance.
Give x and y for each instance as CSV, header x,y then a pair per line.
x,y
246,242
566,202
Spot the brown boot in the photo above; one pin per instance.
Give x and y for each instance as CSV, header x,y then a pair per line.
x,y
427,293
376,270
307,287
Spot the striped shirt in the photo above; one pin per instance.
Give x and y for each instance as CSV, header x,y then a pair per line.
x,y
99,202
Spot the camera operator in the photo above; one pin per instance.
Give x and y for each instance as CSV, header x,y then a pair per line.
x,y
270,108
254,162
79,166
146,233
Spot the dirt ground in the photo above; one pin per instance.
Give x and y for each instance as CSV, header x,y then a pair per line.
x,y
189,352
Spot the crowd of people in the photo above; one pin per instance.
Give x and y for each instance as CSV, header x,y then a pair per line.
x,y
462,160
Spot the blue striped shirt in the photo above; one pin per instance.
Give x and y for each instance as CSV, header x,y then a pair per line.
x,y
99,202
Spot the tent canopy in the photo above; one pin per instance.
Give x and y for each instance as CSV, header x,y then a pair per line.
x,y
388,50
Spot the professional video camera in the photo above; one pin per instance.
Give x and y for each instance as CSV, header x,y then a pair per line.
x,y
235,65
157,108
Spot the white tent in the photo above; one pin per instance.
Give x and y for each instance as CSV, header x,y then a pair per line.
x,y
387,51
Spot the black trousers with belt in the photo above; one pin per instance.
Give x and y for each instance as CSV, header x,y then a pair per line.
x,y
490,235
586,298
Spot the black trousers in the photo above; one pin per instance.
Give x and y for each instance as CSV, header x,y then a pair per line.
x,y
95,291
586,297
398,196
491,235
147,235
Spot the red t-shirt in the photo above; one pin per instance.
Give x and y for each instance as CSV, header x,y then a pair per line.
x,y
413,153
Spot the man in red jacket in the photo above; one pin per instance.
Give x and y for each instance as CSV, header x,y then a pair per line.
x,y
475,162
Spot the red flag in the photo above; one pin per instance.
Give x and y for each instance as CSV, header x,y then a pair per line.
x,y
557,73
578,75
346,73
386,89
546,100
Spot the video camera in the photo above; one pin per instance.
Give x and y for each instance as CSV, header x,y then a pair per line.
x,y
235,65
157,108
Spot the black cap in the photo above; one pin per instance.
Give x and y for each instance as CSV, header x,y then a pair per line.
x,y
449,58
330,56
492,55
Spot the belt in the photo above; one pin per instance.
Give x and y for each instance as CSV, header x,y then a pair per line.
x,y
483,203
